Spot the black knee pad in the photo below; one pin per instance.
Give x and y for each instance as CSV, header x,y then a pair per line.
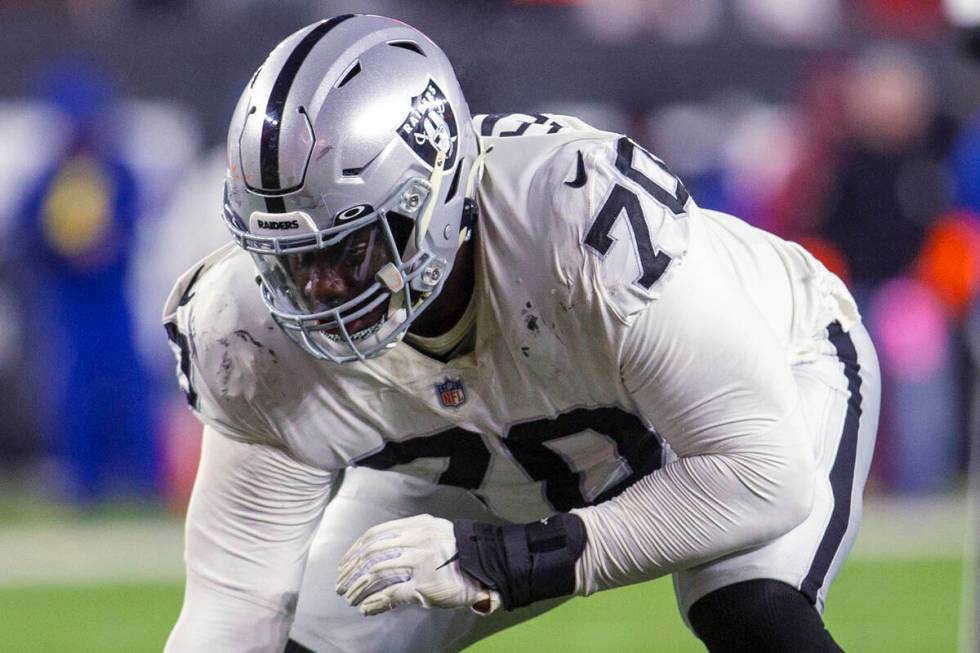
x,y
760,616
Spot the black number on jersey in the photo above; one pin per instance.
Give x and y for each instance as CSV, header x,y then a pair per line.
x,y
182,347
636,445
516,124
469,457
623,199
183,351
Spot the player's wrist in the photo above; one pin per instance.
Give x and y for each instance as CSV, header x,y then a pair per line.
x,y
522,563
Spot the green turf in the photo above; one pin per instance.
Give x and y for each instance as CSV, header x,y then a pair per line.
x,y
874,606
131,618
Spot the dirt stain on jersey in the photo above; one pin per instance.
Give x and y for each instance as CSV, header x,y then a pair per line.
x,y
224,370
530,319
244,335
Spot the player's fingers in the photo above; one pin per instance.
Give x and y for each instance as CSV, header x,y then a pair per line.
x,y
360,544
371,583
359,567
390,598
359,552
377,604
370,555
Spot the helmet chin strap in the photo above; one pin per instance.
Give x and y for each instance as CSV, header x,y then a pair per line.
x,y
397,301
435,181
476,172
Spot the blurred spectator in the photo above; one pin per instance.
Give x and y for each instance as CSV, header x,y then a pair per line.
x,y
18,429
888,186
24,158
890,181
761,148
75,236
965,164
673,21
690,138
920,437
949,263
795,209
805,22
908,18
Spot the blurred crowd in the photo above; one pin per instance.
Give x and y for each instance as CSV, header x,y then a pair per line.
x,y
864,146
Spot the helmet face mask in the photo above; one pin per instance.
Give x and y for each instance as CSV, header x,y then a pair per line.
x,y
335,290
349,191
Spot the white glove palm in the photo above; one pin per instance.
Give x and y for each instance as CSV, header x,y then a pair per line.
x,y
405,561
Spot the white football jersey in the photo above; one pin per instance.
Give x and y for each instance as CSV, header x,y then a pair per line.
x,y
586,247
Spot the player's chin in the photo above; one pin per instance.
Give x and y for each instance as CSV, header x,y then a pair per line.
x,y
359,328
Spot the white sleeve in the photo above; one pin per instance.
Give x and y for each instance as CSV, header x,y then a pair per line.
x,y
252,516
702,366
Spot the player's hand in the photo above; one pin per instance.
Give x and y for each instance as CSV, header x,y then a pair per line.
x,y
405,561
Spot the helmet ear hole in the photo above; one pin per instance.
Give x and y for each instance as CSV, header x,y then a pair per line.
x,y
401,229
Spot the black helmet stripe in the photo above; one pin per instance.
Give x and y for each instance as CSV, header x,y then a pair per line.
x,y
269,154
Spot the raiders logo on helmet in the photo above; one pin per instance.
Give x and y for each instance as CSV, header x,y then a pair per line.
x,y
431,126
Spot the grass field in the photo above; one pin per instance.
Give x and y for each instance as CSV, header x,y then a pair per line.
x,y
890,605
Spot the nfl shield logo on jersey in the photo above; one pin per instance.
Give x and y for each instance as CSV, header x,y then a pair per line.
x,y
451,392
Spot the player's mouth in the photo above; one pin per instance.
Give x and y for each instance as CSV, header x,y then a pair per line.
x,y
363,327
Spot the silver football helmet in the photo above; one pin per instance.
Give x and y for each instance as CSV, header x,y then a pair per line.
x,y
349,160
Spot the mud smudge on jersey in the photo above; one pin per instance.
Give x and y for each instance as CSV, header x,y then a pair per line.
x,y
224,371
531,321
249,338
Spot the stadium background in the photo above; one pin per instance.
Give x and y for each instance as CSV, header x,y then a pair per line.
x,y
852,126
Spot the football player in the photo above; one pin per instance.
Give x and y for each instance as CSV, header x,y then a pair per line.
x,y
485,364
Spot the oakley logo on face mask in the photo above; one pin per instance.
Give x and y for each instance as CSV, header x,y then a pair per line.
x,y
353,213
282,225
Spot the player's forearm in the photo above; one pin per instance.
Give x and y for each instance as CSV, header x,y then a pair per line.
x,y
251,518
694,510
691,511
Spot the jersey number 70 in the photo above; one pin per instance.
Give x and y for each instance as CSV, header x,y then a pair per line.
x,y
622,198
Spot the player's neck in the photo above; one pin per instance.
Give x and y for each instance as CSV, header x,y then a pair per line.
x,y
449,306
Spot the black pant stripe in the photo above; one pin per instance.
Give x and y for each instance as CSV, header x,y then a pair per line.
x,y
842,473
271,126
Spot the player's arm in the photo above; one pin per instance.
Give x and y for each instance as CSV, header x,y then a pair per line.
x,y
252,516
702,366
